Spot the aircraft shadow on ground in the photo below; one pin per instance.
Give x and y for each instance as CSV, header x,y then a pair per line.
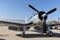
x,y
54,34
2,39
37,35
29,35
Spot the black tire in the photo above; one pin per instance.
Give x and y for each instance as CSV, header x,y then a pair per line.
x,y
50,34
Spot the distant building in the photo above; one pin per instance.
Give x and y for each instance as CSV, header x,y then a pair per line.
x,y
53,22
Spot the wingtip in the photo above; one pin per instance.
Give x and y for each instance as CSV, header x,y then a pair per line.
x,y
55,8
29,5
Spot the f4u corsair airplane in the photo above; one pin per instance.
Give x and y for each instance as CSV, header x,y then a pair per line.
x,y
39,18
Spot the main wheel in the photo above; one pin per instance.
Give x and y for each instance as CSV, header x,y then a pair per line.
x,y
50,34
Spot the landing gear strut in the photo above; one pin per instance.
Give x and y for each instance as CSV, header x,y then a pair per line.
x,y
23,33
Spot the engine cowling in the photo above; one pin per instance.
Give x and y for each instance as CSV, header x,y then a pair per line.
x,y
40,15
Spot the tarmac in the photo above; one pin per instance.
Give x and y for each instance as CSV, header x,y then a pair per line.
x,y
6,34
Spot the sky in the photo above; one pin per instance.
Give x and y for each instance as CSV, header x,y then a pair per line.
x,y
19,10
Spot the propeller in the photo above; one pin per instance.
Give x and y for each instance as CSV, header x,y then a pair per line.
x,y
33,8
42,14
51,11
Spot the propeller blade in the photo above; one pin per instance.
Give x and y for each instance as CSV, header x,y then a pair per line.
x,y
51,11
33,8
